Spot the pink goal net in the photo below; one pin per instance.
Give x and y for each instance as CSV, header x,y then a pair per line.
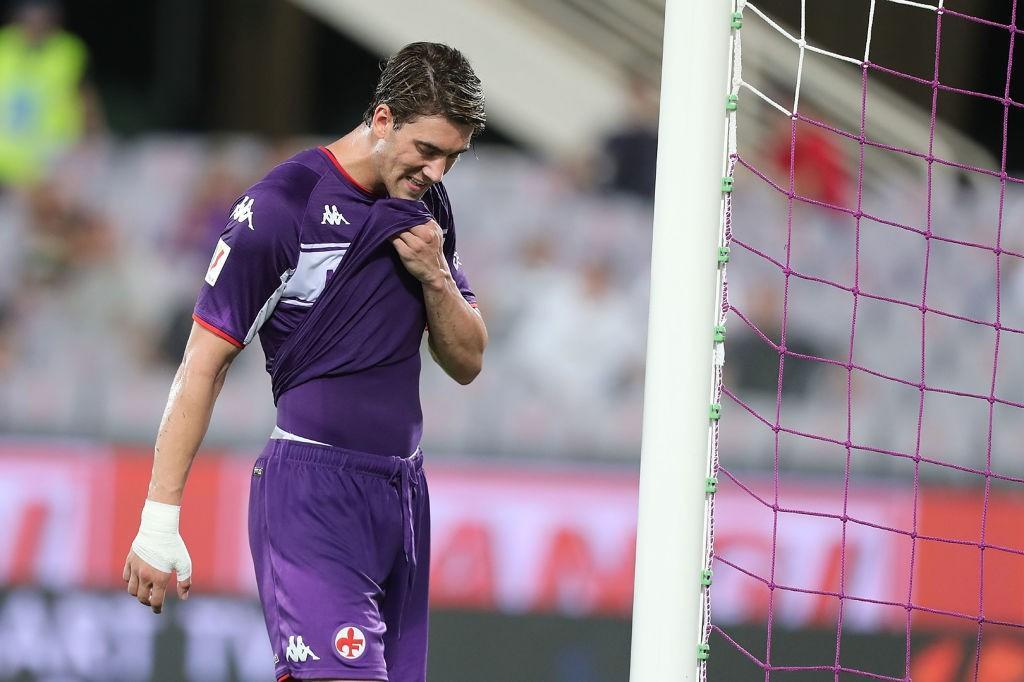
x,y
870,481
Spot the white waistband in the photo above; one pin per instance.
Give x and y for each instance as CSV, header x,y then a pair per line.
x,y
281,434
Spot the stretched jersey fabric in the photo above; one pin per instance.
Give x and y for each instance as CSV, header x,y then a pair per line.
x,y
370,313
286,240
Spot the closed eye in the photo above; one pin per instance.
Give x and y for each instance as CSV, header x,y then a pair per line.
x,y
429,151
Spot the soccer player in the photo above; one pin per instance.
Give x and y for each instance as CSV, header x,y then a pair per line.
x,y
338,259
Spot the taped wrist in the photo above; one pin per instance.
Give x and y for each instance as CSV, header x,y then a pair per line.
x,y
159,543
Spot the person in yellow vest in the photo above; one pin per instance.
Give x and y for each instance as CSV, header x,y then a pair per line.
x,y
44,101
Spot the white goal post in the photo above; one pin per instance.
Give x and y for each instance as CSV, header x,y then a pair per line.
x,y
672,529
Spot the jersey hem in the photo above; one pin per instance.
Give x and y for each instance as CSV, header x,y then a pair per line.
x,y
218,332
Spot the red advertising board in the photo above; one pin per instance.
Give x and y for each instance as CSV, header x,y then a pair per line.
x,y
543,539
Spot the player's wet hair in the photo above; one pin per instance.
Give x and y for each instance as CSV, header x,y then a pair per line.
x,y
429,79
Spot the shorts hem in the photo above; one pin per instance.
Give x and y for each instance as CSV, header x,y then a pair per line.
x,y
332,673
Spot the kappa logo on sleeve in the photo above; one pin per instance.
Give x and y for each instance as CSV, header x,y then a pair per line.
x,y
220,256
243,211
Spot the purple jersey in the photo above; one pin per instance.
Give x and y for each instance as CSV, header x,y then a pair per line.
x,y
286,237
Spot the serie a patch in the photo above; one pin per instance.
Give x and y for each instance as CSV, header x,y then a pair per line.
x,y
220,256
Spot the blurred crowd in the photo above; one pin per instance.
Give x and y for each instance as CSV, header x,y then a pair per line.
x,y
880,406
103,259
105,242
105,256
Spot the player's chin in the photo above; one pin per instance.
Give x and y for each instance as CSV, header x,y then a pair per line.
x,y
413,196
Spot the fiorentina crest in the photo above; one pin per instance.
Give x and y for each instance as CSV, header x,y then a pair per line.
x,y
349,642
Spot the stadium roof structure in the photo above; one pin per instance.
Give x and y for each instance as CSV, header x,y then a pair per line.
x,y
589,52
552,93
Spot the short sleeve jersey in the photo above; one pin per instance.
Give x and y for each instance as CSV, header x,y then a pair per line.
x,y
284,238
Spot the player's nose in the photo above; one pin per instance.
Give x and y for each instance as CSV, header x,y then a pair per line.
x,y
434,170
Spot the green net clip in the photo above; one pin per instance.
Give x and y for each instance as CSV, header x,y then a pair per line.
x,y
705,578
719,333
711,485
723,255
731,102
703,652
727,184
716,411
737,20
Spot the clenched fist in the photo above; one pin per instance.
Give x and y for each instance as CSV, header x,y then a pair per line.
x,y
420,250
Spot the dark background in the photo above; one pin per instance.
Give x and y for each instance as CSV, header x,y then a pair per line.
x,y
191,65
197,66
486,647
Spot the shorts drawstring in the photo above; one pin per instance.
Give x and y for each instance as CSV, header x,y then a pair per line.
x,y
404,477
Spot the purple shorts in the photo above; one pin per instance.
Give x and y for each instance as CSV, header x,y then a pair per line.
x,y
341,545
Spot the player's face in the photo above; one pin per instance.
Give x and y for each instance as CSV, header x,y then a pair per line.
x,y
417,154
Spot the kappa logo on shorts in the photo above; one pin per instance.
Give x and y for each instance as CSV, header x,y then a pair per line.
x,y
298,650
349,642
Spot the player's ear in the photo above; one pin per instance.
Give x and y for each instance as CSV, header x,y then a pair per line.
x,y
382,122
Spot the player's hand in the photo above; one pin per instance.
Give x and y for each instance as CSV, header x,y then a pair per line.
x,y
157,551
420,250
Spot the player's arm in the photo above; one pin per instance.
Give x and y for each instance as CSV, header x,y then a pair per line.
x,y
158,548
457,335
196,386
256,251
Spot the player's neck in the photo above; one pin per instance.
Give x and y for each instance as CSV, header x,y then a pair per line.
x,y
354,152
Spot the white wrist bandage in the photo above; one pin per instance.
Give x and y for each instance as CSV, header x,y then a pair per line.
x,y
158,543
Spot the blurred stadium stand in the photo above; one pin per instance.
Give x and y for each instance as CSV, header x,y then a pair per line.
x,y
112,242
101,260
106,254
109,251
